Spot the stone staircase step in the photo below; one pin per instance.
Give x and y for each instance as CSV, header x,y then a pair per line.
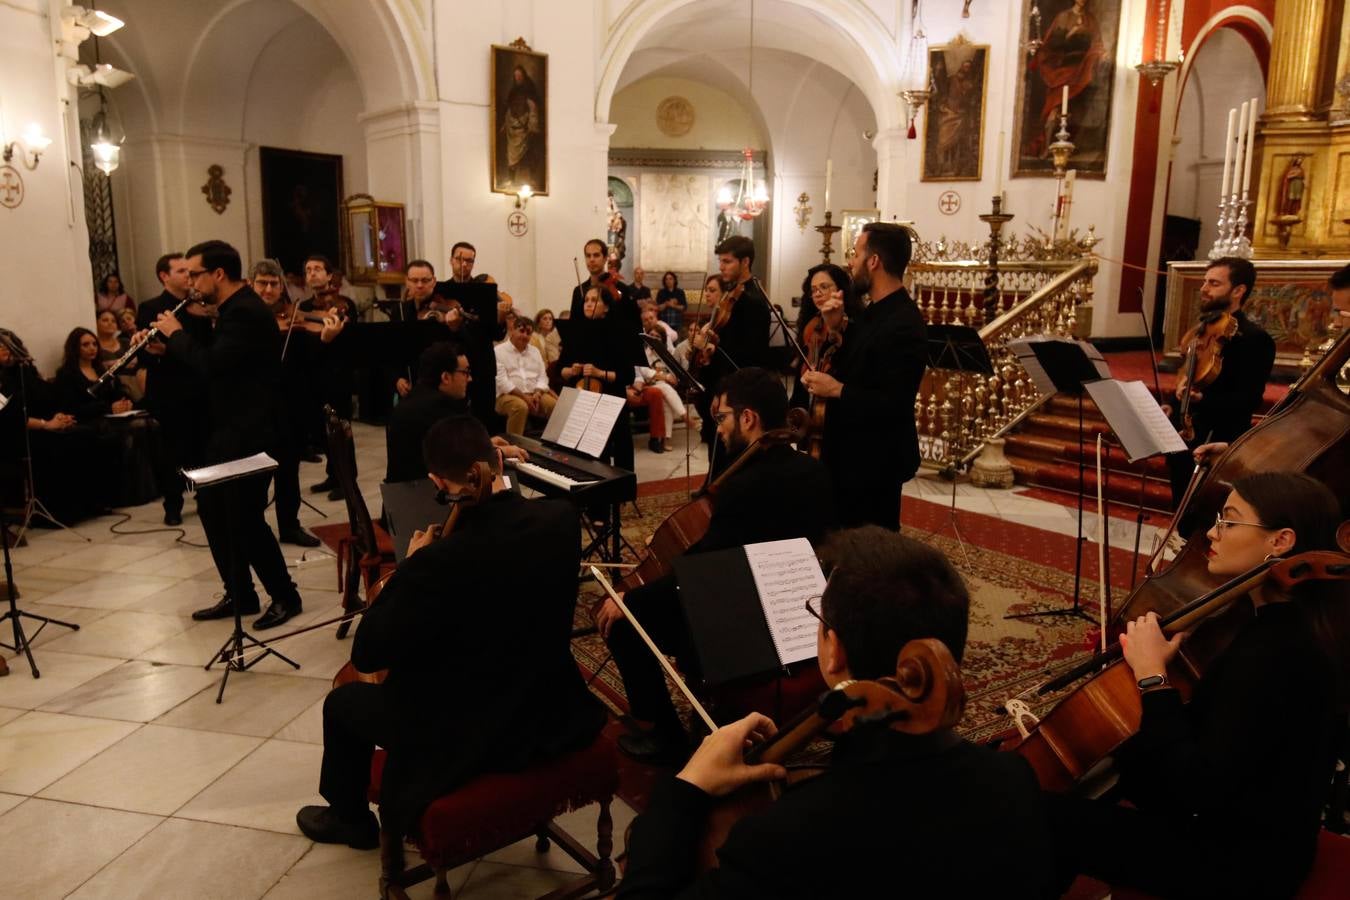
x,y
1120,487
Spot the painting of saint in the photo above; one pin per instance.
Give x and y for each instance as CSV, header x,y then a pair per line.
x,y
951,143
1077,54
519,119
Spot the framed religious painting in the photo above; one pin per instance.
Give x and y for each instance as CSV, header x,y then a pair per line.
x,y
851,223
954,129
519,111
302,205
1076,59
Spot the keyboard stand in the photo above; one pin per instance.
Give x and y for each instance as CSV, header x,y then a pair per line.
x,y
607,541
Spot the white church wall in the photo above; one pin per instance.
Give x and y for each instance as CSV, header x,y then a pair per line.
x,y
44,244
720,122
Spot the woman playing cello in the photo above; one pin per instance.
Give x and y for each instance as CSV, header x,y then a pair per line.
x,y
1228,790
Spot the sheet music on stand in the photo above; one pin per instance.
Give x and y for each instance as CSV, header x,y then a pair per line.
x,y
583,420
229,471
786,575
1136,418
1032,352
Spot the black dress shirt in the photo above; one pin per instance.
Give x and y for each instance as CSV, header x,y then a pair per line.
x,y
168,381
743,341
409,423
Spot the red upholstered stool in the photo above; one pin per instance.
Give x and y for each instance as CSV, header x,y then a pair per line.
x,y
496,810
1330,875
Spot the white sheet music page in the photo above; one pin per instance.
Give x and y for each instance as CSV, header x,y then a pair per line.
x,y
235,468
605,414
1134,414
787,574
575,427
1021,348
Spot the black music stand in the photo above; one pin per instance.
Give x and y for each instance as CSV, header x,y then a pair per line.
x,y
959,348
688,386
1070,369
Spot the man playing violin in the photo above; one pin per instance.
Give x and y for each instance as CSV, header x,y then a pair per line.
x,y
777,495
1222,410
1227,790
894,814
874,377
622,309
331,381
453,706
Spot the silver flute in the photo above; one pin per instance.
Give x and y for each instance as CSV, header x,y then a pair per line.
x,y
136,347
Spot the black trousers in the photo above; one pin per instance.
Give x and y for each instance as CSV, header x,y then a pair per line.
x,y
232,515
868,503
644,681
286,487
356,719
182,440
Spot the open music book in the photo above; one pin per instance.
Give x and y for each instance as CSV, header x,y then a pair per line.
x,y
228,471
1136,418
583,420
746,607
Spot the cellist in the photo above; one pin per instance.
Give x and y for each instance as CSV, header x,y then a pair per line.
x,y
778,494
1228,790
456,704
894,815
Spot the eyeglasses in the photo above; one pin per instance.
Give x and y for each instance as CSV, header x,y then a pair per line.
x,y
1221,524
814,608
194,274
818,289
421,280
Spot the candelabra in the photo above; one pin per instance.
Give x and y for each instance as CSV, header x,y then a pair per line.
x,y
1061,150
827,232
995,220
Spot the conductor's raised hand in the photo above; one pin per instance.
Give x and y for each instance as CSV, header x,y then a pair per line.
x,y
718,766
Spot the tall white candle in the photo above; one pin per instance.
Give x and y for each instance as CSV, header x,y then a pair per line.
x,y
1240,146
998,164
1251,140
1064,102
1228,152
829,176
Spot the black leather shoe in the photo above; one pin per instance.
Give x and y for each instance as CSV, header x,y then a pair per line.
x,y
225,609
327,484
173,518
298,536
277,613
335,494
324,825
655,445
655,749
310,455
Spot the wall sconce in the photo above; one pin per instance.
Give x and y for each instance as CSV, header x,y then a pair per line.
x,y
32,143
107,154
77,24
101,75
523,195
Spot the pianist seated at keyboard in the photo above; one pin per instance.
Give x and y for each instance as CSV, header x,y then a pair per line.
x,y
777,495
441,390
522,378
599,350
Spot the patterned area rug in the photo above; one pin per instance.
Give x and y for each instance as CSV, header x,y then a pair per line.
x,y
1007,567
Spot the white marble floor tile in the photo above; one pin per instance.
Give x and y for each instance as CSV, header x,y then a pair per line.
x,y
183,597
255,704
110,591
193,646
8,715
36,553
319,653
41,634
306,728
135,691
122,633
106,557
38,748
502,882
47,849
154,770
175,562
9,801
334,872
198,860
265,790
61,672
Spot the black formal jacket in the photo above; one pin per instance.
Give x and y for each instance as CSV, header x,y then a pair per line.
x,y
168,381
880,363
241,365
600,342
72,394
624,318
894,816
409,423
778,495
1224,410
743,341
475,631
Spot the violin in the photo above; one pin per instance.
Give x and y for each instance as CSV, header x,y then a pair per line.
x,y
710,332
1204,345
925,695
446,311
821,344
480,488
1089,724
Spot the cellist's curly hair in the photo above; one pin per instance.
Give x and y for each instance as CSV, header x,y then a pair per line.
x,y
454,444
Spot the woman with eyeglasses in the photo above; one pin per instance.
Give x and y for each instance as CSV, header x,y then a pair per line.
x,y
1227,790
821,283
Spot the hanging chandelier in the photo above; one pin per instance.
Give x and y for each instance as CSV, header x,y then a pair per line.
x,y
751,196
1156,69
917,85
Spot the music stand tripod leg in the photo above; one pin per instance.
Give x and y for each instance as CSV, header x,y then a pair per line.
x,y
22,642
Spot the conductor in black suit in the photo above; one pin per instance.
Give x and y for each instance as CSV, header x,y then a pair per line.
x,y
453,708
776,495
871,444
241,363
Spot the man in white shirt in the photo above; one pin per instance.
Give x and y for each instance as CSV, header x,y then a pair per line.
x,y
522,382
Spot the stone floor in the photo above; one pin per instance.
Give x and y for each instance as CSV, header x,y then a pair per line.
x,y
121,777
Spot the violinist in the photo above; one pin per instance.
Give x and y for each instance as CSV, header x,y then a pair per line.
x,y
1228,790
822,282
893,814
1222,409
454,707
779,494
330,381
594,357
873,378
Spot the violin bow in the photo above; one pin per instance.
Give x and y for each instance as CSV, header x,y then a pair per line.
x,y
651,645
1101,550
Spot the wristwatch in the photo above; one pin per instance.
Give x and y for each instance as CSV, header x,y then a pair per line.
x,y
1152,681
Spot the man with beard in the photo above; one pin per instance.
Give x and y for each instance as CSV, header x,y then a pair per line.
x,y
874,377
241,365
1222,410
779,494
441,390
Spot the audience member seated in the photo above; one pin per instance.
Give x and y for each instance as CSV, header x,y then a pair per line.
x,y
111,295
112,343
80,370
654,385
671,301
522,382
126,321
441,390
548,340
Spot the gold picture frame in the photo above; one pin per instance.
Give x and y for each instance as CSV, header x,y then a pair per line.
x,y
518,119
851,222
953,139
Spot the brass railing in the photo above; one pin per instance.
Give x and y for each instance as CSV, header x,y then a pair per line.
x,y
1039,291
